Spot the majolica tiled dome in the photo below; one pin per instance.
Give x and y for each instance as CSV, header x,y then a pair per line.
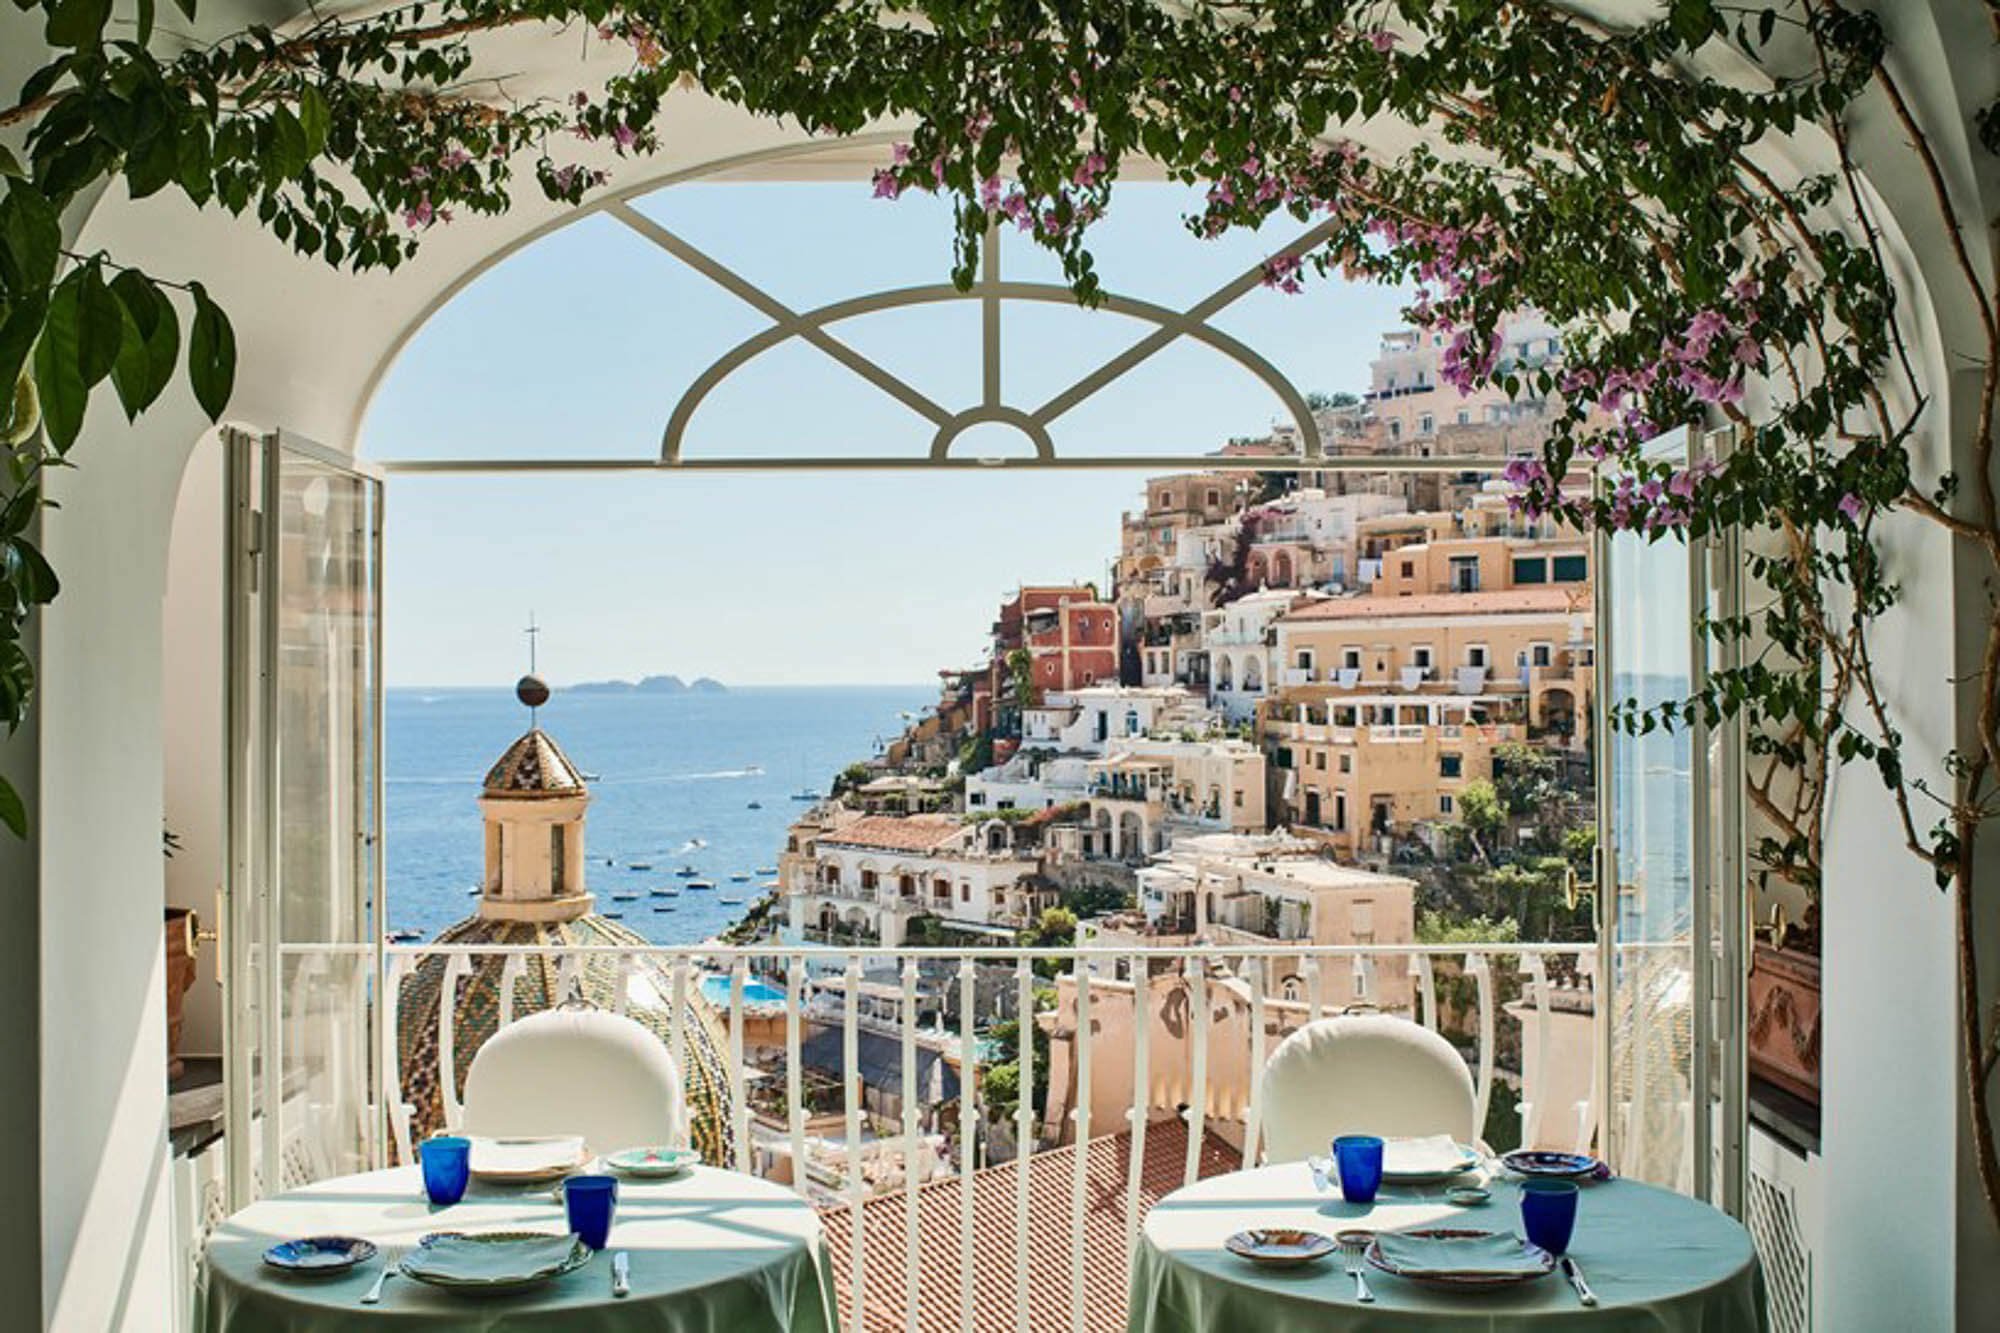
x,y
649,1000
534,766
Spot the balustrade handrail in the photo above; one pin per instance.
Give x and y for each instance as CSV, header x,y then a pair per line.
x,y
1010,952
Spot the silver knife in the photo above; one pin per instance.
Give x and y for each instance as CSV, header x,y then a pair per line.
x,y
1575,1276
621,1274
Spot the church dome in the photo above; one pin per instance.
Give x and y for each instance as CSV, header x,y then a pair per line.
x,y
538,986
534,765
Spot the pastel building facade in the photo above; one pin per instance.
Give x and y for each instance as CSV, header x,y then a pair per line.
x,y
870,877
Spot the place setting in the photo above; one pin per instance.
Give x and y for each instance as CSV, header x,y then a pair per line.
x,y
506,1260
1451,1258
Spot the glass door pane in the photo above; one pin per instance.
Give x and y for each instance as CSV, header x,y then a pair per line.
x,y
1650,919
305,751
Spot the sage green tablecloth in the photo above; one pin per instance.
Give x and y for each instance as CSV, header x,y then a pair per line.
x,y
1659,1262
711,1250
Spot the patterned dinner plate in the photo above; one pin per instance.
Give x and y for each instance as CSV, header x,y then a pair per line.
x,y
647,1162
1277,1247
1555,1165
516,1261
317,1256
1542,1262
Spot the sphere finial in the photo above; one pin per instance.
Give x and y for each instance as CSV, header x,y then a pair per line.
x,y
532,690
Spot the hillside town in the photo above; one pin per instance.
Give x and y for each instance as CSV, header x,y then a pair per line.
x,y
1337,707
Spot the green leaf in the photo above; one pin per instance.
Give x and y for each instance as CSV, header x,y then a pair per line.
x,y
145,24
10,166
314,118
78,23
186,7
28,569
58,375
100,326
289,144
30,240
12,813
152,342
211,354
18,331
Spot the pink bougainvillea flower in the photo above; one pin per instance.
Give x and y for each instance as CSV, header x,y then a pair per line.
x,y
1851,507
1383,40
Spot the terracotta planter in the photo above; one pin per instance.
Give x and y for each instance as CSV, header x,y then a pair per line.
x,y
1784,1020
181,927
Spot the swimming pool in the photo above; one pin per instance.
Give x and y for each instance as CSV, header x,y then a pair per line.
x,y
715,989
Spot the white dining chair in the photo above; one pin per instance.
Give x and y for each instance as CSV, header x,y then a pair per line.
x,y
1363,1074
577,1070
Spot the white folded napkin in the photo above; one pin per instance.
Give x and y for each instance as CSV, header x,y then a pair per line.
x,y
524,1156
1494,1253
1426,1156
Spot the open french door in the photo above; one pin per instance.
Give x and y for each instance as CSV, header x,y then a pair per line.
x,y
302,952
1672,916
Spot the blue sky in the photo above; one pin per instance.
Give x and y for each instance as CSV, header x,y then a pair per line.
x,y
581,344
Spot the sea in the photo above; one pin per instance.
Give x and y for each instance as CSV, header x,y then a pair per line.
x,y
698,779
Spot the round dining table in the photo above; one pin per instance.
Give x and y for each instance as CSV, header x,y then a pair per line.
x,y
709,1250
1656,1261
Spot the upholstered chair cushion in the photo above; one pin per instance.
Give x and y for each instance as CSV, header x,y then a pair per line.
x,y
1363,1074
576,1071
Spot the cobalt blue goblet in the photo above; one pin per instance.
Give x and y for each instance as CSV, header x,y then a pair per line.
x,y
447,1163
589,1202
1548,1213
1358,1158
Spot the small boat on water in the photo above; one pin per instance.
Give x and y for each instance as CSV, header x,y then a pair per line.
x,y
664,907
769,884
755,805
666,892
614,916
701,883
687,872
807,795
740,877
405,936
474,891
731,901
767,870
624,897
640,865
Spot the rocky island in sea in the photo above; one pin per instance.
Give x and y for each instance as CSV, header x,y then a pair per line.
x,y
652,685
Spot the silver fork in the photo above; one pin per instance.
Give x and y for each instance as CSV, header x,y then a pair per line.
x,y
1354,1255
391,1256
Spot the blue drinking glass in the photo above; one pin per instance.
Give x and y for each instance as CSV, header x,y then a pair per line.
x,y
589,1202
1358,1158
447,1163
1548,1213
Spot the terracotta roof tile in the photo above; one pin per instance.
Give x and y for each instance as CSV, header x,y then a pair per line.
x,y
534,765
1051,1180
1504,602
917,833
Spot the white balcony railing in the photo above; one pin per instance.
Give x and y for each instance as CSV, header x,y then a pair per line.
x,y
981,984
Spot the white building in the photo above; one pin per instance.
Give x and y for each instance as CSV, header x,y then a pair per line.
x,y
1241,659
872,876
1084,721
1261,889
1145,792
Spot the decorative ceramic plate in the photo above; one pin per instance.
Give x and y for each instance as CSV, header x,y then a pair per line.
x,y
1540,1262
1467,1160
1555,1165
650,1162
319,1255
515,1261
1276,1247
526,1161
